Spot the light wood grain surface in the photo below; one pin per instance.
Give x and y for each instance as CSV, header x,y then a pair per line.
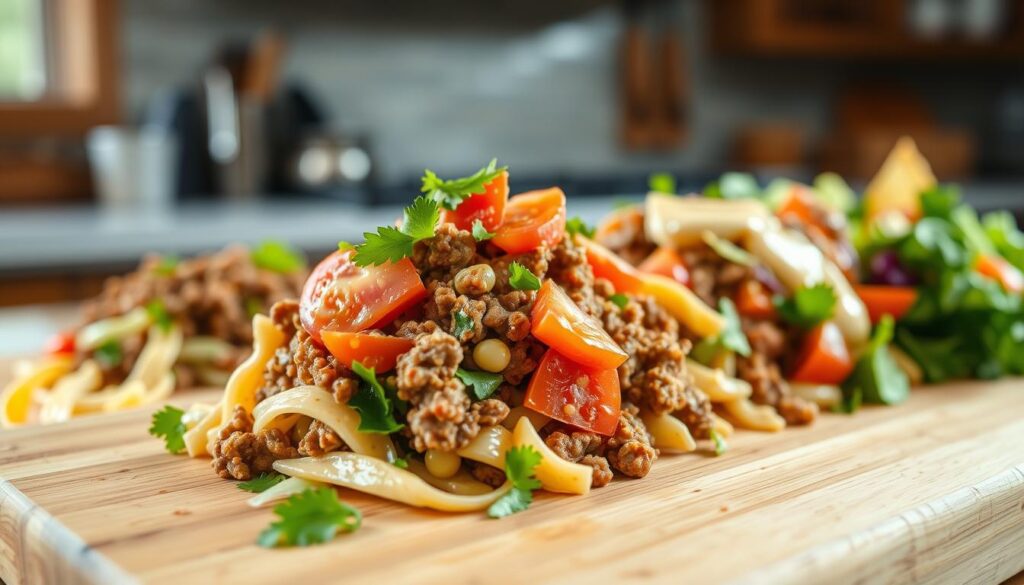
x,y
930,491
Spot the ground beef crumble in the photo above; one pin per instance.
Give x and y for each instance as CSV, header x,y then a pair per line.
x,y
239,453
630,450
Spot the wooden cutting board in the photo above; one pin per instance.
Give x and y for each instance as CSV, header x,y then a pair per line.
x,y
932,490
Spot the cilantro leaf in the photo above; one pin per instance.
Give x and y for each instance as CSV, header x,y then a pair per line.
x,y
718,441
344,246
253,306
480,233
391,244
733,186
451,192
620,300
401,462
419,220
158,313
520,277
520,463
575,225
463,324
168,426
277,256
731,338
808,306
261,482
313,516
877,378
372,403
166,265
663,183
728,250
483,383
109,354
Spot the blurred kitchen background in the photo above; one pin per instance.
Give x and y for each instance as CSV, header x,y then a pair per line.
x,y
176,126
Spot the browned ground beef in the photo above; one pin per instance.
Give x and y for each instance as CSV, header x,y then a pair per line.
x,y
211,295
240,454
302,361
711,276
319,440
630,450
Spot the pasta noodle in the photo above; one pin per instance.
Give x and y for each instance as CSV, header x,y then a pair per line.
x,y
314,402
489,446
245,381
462,483
96,334
555,474
717,386
288,487
824,395
59,404
721,426
17,396
758,417
669,432
379,478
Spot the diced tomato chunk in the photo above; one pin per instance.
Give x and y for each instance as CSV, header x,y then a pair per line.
x,y
373,351
666,262
531,220
824,357
341,296
998,269
608,265
60,344
488,207
754,300
882,300
583,397
558,322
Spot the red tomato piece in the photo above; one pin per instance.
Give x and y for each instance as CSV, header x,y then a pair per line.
x,y
341,296
666,262
883,300
608,265
998,269
824,357
488,207
799,205
373,351
575,394
532,219
558,322
754,300
60,344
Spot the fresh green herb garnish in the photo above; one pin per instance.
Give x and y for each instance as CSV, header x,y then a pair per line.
x,y
391,244
619,300
662,183
344,246
372,403
313,516
166,265
109,354
731,338
808,306
277,256
480,233
483,383
876,378
733,186
158,313
575,225
401,462
520,463
261,482
253,306
463,324
728,250
718,441
450,193
168,426
520,277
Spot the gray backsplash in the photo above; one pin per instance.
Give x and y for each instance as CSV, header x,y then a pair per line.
x,y
535,85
